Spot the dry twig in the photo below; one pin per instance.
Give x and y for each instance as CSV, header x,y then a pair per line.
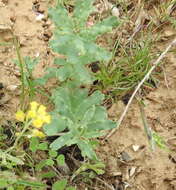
x,y
155,64
106,184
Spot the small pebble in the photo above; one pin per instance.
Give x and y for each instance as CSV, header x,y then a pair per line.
x,y
12,87
126,157
132,171
39,17
17,73
136,148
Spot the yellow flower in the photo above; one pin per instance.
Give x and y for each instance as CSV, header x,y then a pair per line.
x,y
20,115
31,114
37,114
34,105
37,122
37,133
42,110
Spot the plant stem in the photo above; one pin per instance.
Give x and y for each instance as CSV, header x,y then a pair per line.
x,y
21,64
27,124
147,129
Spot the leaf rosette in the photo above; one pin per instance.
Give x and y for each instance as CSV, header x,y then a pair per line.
x,y
82,116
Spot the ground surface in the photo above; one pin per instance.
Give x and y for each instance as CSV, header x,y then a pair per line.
x,y
153,170
143,170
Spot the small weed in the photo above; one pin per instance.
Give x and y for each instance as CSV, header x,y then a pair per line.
x,y
160,141
123,74
97,168
26,66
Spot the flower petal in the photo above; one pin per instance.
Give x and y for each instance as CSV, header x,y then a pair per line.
x,y
37,123
31,114
42,110
20,115
37,133
34,105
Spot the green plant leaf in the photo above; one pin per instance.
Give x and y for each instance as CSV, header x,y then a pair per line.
x,y
30,183
98,168
100,28
59,185
40,165
61,160
77,113
34,142
93,134
95,99
76,41
100,121
61,141
14,159
102,125
10,188
87,149
75,103
70,188
97,53
65,72
61,19
82,74
3,183
61,42
57,124
30,63
69,71
49,162
82,11
80,51
49,174
85,118
63,98
159,141
88,115
53,153
43,146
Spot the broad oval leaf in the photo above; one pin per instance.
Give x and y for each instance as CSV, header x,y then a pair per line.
x,y
61,141
57,125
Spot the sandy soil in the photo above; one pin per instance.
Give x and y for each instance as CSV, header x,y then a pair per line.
x,y
144,169
19,18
